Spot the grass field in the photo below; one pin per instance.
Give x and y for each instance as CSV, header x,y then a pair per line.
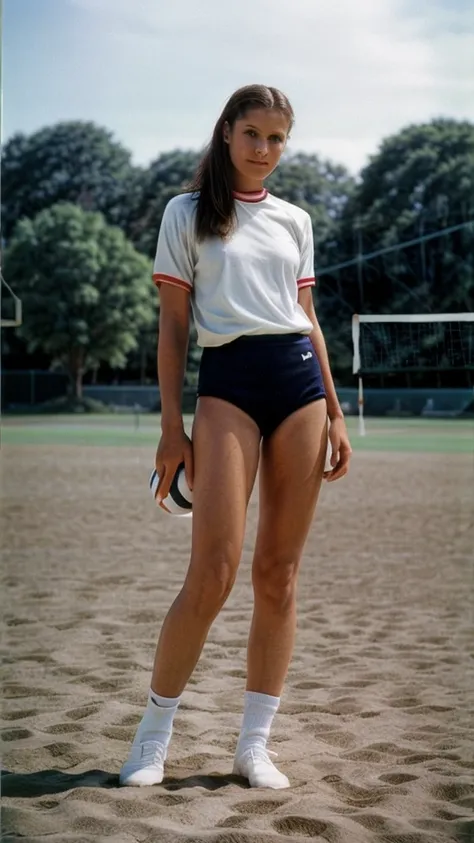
x,y
442,436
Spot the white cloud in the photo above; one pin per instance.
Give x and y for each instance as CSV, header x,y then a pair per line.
x,y
355,72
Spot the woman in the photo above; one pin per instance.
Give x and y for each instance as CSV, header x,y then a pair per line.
x,y
244,259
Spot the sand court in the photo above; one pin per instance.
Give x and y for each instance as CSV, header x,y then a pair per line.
x,y
376,727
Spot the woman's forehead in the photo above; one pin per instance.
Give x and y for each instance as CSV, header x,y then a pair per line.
x,y
266,119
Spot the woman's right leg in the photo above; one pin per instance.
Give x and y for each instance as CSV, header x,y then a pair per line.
x,y
226,450
226,445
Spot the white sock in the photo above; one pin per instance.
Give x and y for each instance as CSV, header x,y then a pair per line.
x,y
259,711
157,720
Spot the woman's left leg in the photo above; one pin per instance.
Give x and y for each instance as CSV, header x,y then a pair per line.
x,y
291,470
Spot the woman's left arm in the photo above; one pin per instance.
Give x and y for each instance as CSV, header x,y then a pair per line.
x,y
341,448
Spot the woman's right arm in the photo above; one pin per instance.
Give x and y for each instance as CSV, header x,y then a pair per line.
x,y
175,446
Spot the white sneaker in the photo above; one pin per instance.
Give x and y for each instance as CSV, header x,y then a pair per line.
x,y
144,765
255,765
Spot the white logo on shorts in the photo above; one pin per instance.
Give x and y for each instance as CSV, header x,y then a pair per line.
x,y
307,356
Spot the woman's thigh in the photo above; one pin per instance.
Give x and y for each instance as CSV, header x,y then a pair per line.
x,y
291,471
226,445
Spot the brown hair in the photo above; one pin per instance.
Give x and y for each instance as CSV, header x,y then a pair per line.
x,y
213,179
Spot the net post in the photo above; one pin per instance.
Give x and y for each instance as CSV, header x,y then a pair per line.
x,y
356,370
360,402
356,344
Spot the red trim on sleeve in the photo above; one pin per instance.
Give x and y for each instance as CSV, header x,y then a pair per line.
x,y
306,282
161,278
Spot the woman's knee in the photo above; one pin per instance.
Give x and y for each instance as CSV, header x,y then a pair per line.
x,y
275,580
209,584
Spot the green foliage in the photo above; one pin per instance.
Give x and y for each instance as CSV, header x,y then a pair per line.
x,y
420,182
86,292
322,188
163,179
68,162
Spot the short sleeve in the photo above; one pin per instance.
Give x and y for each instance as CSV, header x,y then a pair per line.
x,y
174,262
306,277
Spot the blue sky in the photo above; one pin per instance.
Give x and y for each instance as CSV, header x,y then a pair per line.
x,y
157,72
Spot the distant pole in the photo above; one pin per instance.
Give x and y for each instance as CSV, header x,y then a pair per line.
x,y
360,278
422,249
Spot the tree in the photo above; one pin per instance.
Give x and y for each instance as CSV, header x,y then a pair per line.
x,y
420,182
155,186
69,162
86,292
322,188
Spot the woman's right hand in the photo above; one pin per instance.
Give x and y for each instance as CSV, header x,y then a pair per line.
x,y
173,449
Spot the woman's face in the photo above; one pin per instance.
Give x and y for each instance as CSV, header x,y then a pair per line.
x,y
256,143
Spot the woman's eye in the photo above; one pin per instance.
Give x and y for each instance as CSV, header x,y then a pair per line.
x,y
251,133
277,139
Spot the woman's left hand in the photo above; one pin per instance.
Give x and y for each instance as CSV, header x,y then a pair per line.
x,y
341,450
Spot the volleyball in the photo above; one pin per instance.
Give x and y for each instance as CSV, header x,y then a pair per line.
x,y
179,500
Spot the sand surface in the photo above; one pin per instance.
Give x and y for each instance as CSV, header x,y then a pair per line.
x,y
376,727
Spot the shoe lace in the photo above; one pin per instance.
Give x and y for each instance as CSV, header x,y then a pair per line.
x,y
153,753
260,753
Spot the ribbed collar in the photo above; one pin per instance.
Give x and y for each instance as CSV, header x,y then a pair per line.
x,y
251,195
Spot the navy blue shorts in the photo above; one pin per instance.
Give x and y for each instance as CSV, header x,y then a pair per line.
x,y
268,377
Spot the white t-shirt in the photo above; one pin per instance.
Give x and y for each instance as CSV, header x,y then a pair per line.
x,y
247,284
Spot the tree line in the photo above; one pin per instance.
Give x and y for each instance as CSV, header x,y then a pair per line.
x,y
80,223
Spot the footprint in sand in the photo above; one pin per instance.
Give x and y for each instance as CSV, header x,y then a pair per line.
x,y
403,702
130,720
397,778
358,683
306,827
95,829
335,635
372,822
238,673
83,711
342,705
37,658
335,738
169,800
233,821
14,691
259,806
18,621
389,748
48,804
118,733
103,686
114,650
63,728
124,664
358,797
365,755
418,758
310,686
15,734
452,792
142,617
65,670
19,715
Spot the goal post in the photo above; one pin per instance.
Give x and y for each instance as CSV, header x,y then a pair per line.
x,y
15,316
405,342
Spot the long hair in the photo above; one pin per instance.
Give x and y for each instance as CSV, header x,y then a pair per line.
x,y
213,180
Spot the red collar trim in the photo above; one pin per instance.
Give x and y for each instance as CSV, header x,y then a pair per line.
x,y
251,195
